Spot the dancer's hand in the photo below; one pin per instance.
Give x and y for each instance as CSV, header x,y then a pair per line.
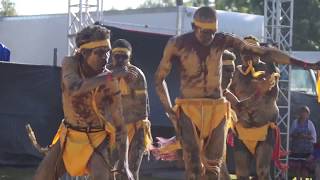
x,y
121,72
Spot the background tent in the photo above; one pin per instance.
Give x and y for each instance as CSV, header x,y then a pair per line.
x,y
28,94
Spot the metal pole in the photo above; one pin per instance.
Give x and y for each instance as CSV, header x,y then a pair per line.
x,y
80,13
278,27
291,23
55,56
266,21
69,26
97,11
179,4
101,10
179,20
289,84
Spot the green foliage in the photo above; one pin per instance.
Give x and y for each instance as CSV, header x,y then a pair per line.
x,y
245,6
7,8
158,3
306,21
171,3
306,25
201,3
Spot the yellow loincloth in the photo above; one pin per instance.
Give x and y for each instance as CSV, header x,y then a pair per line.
x,y
176,145
251,136
205,115
145,124
77,148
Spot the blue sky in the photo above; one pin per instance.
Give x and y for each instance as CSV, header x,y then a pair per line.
x,y
33,7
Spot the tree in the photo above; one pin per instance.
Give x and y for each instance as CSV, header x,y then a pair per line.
x,y
7,8
198,3
306,23
244,6
158,3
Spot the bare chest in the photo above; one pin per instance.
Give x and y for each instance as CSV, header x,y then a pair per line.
x,y
195,62
244,86
200,66
89,107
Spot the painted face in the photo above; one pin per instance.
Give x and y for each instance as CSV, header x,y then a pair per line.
x,y
120,59
227,75
204,36
98,58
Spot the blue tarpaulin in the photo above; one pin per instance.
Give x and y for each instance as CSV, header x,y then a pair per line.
x,y
4,53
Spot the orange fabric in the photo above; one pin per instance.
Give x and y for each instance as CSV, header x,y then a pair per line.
x,y
175,144
145,124
251,136
205,114
78,148
251,141
172,147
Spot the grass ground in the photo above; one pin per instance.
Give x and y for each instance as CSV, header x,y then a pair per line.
x,y
10,173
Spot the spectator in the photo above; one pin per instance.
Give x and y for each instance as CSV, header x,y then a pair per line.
x,y
303,137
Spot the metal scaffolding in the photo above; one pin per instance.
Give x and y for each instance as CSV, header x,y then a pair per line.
x,y
81,13
278,20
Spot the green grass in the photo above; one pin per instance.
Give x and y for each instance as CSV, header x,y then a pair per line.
x,y
11,173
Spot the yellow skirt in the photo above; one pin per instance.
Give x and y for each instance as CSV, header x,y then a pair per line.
x,y
251,136
78,148
145,124
205,114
